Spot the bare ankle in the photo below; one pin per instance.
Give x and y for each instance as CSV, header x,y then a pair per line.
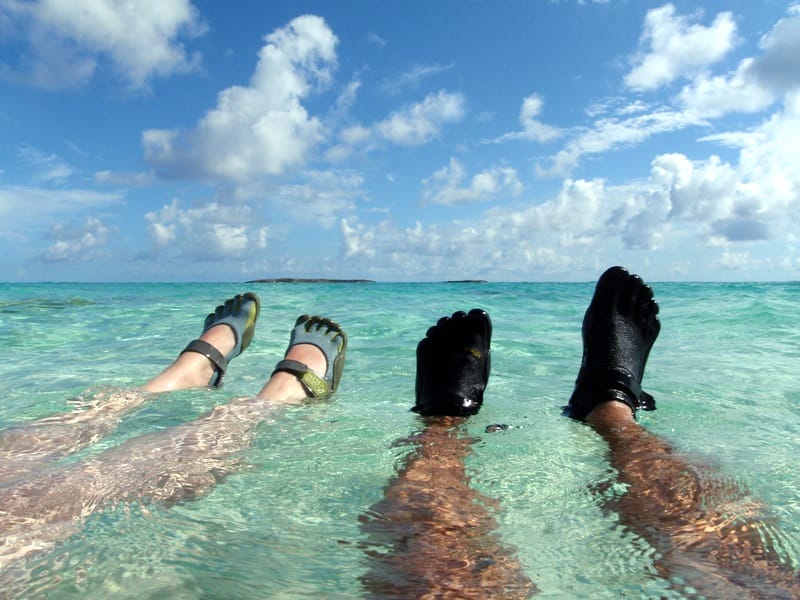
x,y
189,370
611,412
285,388
221,337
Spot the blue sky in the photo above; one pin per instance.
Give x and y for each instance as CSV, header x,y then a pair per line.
x,y
410,141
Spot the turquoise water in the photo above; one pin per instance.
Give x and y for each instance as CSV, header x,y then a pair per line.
x,y
723,372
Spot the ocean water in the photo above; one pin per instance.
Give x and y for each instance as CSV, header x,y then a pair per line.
x,y
286,525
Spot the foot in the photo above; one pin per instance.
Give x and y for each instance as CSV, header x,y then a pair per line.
x,y
226,333
453,363
619,329
313,364
192,369
240,313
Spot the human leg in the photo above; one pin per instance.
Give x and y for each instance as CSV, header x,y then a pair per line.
x,y
171,465
312,365
432,534
709,533
226,333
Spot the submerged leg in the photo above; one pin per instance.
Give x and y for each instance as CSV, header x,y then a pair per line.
x,y
171,465
226,333
432,535
710,534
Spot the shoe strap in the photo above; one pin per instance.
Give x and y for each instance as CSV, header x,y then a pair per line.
x,y
215,356
596,385
315,385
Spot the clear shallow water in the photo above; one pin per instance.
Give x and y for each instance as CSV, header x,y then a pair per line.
x,y
724,374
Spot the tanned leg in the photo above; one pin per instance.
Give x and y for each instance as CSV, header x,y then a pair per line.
x,y
709,533
432,535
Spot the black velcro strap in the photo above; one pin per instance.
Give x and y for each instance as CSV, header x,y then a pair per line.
x,y
313,383
212,354
596,385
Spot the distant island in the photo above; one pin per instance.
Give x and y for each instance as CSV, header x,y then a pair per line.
x,y
467,281
322,280
301,280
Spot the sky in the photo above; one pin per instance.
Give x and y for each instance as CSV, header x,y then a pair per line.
x,y
519,140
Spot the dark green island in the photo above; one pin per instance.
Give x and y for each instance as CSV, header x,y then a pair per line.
x,y
467,281
301,280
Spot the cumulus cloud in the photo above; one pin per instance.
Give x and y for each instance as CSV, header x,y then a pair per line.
x,y
446,186
675,47
711,97
503,242
262,128
724,207
324,197
210,232
77,243
752,87
778,67
449,251
421,122
413,125
757,82
65,42
565,233
532,129
737,261
741,229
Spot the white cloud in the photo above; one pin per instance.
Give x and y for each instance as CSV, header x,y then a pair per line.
x,y
355,135
357,240
503,243
126,179
77,243
566,233
712,97
210,232
413,125
48,167
769,156
455,251
324,197
676,47
347,98
753,86
617,105
66,41
613,132
757,82
699,192
778,68
25,209
722,208
260,129
421,122
532,129
374,38
736,261
412,78
446,187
